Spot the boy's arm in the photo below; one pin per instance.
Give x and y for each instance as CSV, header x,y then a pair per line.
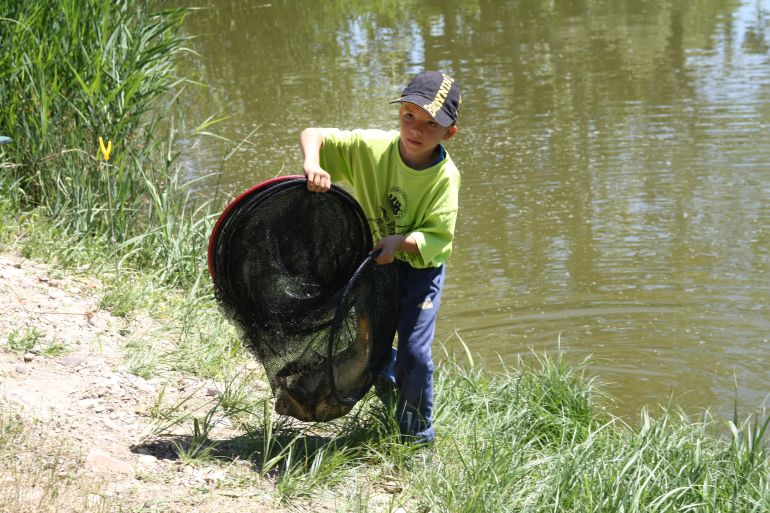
x,y
318,180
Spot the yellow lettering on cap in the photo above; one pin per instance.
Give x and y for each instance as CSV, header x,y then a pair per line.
x,y
443,91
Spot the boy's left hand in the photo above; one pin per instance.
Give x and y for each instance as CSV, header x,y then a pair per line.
x,y
389,246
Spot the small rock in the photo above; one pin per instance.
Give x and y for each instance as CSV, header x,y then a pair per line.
x,y
26,283
392,486
87,403
56,294
110,425
143,386
185,383
148,460
100,460
212,391
20,369
70,361
214,476
10,274
28,357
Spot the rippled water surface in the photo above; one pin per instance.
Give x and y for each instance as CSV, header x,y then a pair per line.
x,y
615,160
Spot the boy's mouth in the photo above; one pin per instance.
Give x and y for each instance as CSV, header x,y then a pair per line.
x,y
413,142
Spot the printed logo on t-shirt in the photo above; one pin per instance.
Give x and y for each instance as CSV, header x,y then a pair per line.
x,y
398,201
382,226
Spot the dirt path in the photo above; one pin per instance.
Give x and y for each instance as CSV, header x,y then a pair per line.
x,y
62,368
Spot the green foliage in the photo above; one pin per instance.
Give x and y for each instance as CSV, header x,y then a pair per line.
x,y
552,450
33,340
24,341
71,72
526,439
121,301
143,359
199,447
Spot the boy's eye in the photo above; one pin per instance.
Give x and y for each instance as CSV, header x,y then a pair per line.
x,y
432,124
408,115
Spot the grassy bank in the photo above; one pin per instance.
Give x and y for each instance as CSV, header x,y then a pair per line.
x,y
526,439
529,438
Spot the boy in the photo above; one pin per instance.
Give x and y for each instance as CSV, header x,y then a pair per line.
x,y
408,186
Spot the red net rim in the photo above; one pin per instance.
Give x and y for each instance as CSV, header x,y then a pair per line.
x,y
229,208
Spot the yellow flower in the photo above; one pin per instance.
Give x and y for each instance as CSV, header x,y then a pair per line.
x,y
105,150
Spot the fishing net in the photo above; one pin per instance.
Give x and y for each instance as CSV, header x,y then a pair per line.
x,y
292,271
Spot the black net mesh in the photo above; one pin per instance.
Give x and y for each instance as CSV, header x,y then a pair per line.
x,y
281,259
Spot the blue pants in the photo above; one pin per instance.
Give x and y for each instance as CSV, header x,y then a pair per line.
x,y
411,367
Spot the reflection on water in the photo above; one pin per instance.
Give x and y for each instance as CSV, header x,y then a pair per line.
x,y
615,160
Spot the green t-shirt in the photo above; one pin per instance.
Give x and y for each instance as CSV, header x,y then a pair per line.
x,y
396,198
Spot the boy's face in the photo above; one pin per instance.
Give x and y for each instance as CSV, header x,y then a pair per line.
x,y
420,134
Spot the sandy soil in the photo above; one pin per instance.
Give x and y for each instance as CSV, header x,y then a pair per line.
x,y
86,399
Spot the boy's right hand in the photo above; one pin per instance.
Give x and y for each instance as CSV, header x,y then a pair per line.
x,y
318,180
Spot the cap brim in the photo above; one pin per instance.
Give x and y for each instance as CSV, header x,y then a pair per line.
x,y
441,117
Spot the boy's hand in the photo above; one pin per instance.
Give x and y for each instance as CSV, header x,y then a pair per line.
x,y
389,246
318,180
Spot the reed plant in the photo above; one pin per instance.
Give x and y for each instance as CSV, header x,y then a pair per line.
x,y
74,73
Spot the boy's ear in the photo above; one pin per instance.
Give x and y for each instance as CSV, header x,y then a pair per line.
x,y
451,131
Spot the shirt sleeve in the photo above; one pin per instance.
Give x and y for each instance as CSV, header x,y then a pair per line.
x,y
435,234
434,240
336,154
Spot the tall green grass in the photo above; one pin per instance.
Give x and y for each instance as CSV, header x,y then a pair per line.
x,y
527,439
70,72
530,440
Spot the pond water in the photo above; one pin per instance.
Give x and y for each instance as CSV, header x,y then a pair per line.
x,y
615,158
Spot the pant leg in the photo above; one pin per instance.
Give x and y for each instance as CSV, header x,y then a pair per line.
x,y
420,300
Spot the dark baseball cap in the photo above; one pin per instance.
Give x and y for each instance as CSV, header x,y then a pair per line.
x,y
437,94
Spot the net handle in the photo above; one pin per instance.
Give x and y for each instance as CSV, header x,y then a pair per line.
x,y
337,323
